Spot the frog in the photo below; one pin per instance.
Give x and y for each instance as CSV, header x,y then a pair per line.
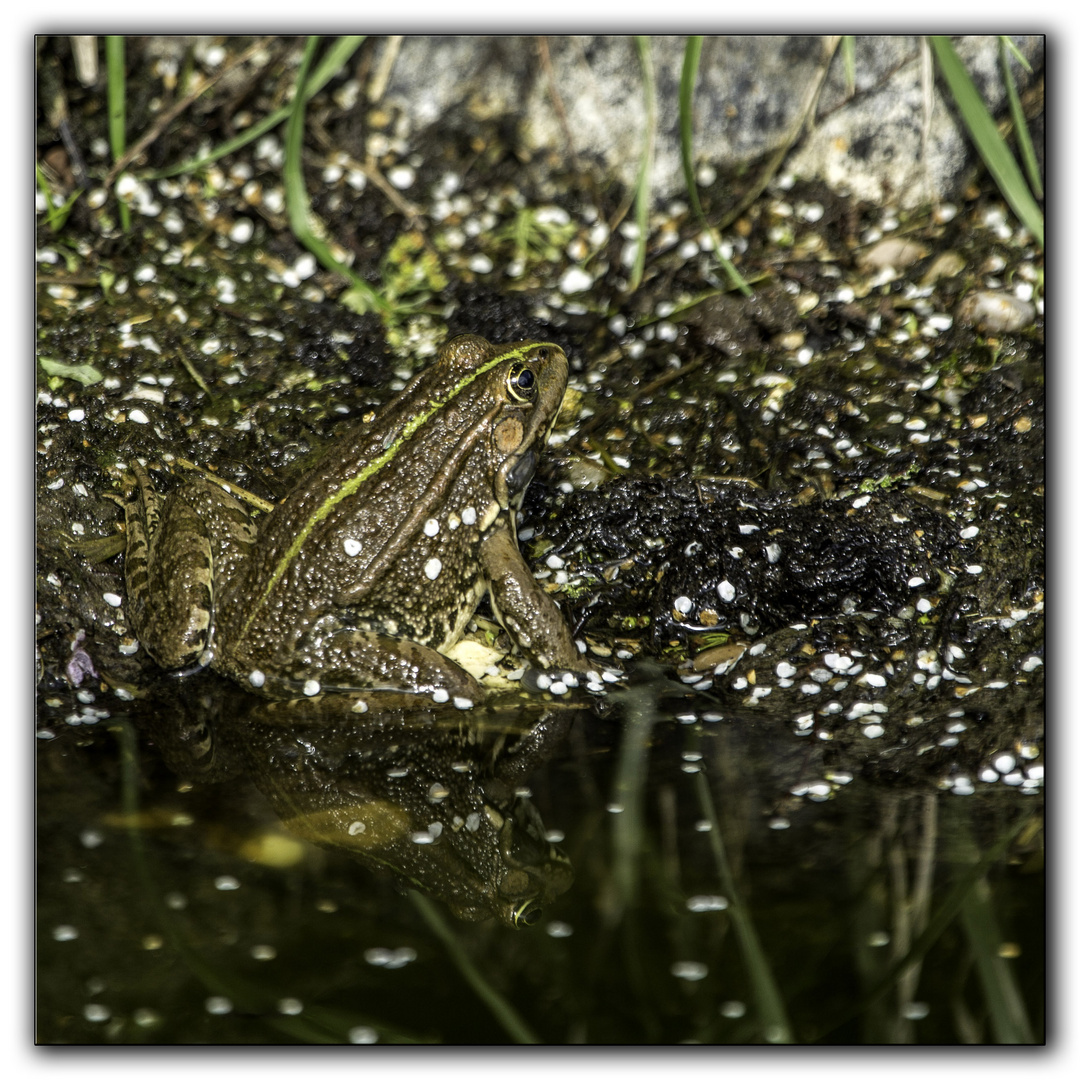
x,y
370,569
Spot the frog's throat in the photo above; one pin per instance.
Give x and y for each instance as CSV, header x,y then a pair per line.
x,y
388,455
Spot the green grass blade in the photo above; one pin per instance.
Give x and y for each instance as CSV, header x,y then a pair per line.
x,y
1023,135
989,143
643,186
55,216
847,52
508,1017
336,57
117,98
1021,59
296,197
687,79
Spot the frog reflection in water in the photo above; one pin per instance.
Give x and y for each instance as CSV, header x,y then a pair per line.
x,y
432,799
371,568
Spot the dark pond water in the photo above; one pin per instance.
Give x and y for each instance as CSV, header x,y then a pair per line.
x,y
212,874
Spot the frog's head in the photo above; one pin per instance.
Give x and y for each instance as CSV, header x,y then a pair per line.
x,y
534,871
518,388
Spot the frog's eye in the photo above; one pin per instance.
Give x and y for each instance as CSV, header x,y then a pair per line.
x,y
521,383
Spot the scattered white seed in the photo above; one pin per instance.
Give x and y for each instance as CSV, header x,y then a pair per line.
x,y
112,599
352,547
242,231
462,703
402,177
312,687
431,527
726,590
468,515
137,416
432,568
256,678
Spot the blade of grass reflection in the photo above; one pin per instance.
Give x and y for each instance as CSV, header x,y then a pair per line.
x,y
1008,1017
320,1026
770,1005
949,909
507,1016
639,705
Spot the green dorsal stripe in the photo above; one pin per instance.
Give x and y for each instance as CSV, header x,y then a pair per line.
x,y
388,455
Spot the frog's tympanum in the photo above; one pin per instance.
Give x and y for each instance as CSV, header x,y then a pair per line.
x,y
435,801
373,565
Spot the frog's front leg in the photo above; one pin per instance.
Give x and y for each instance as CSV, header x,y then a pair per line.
x,y
347,661
529,615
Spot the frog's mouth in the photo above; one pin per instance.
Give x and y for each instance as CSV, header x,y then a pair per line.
x,y
517,470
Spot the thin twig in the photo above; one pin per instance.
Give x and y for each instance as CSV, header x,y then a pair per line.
x,y
556,98
813,92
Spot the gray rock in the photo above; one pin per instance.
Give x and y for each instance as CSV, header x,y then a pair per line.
x,y
750,97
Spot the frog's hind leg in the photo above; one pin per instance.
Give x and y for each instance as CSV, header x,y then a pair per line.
x,y
356,660
168,567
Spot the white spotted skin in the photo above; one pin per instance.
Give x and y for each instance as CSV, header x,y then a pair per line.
x,y
371,568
